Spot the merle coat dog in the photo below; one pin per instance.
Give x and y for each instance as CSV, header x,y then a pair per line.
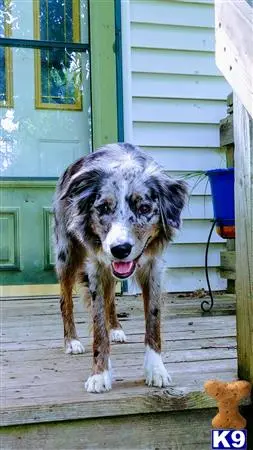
x,y
115,211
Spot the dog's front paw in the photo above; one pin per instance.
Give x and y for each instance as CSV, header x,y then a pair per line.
x,y
101,382
155,372
73,346
117,335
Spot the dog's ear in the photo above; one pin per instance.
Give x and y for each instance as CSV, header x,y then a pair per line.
x,y
83,185
173,199
172,195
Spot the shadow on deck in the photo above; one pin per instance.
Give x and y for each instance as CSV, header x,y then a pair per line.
x,y
43,388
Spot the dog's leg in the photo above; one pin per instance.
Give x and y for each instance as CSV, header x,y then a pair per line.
x,y
72,343
100,380
116,332
69,258
155,372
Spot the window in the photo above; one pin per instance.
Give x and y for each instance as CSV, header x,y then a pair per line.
x,y
58,72
6,88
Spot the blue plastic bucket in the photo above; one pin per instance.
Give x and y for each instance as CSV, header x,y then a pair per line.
x,y
222,188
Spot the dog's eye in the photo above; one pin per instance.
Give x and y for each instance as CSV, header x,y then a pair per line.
x,y
144,209
103,209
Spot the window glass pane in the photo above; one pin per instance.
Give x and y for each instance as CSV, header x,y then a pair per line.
x,y
5,56
59,79
58,72
2,76
50,20
42,142
2,17
57,21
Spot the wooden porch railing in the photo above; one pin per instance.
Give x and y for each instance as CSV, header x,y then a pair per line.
x,y
234,57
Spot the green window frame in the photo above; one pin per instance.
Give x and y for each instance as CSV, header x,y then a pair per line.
x,y
6,67
58,73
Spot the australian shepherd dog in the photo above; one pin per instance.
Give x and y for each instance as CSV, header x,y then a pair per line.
x,y
115,211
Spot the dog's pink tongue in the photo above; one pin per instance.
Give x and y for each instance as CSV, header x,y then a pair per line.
x,y
123,267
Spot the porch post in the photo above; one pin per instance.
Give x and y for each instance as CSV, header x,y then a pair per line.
x,y
103,72
243,137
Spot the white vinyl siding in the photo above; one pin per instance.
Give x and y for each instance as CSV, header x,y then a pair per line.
x,y
157,37
175,100
172,86
172,13
166,110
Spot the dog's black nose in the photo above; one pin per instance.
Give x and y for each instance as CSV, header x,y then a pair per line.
x,y
121,251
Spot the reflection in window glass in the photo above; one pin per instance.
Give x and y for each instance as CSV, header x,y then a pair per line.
x,y
58,72
41,142
6,96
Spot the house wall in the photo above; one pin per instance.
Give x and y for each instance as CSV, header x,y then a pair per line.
x,y
174,98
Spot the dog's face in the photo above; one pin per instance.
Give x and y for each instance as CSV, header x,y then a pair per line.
x,y
126,217
122,201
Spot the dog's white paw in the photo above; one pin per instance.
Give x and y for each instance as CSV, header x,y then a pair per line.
x,y
100,382
155,372
117,335
73,346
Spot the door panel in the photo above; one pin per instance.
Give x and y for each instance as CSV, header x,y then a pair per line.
x,y
26,251
10,245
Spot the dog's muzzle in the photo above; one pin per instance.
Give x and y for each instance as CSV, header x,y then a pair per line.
x,y
123,269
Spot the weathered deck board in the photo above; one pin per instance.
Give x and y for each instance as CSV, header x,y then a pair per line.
x,y
42,384
191,431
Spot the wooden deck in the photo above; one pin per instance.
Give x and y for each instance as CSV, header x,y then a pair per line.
x,y
40,384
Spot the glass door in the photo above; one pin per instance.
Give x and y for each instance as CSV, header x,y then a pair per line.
x,y
46,120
